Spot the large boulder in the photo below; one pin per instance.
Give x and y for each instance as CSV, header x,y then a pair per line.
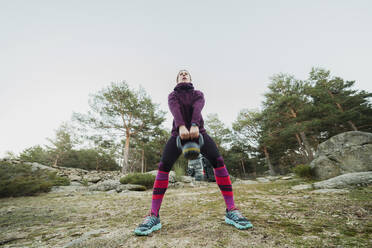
x,y
130,187
70,188
109,185
345,181
105,185
93,178
340,182
344,153
35,166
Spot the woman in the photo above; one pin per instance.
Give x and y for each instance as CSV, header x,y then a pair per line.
x,y
186,104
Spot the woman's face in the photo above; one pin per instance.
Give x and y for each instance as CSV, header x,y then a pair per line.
x,y
183,77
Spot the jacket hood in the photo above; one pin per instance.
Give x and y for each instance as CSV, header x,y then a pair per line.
x,y
184,86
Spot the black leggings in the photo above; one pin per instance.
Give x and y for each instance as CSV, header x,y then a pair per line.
x,y
171,153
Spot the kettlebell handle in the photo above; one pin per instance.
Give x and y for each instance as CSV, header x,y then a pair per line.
x,y
179,145
201,140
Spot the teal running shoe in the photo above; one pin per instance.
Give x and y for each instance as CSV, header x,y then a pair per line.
x,y
235,218
150,224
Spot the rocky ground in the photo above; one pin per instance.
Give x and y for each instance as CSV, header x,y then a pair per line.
x,y
191,217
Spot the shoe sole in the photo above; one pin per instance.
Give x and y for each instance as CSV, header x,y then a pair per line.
x,y
237,225
145,233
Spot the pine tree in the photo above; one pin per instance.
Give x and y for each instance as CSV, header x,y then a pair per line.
x,y
118,110
336,106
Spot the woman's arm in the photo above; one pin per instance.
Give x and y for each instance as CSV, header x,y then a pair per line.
x,y
198,106
175,109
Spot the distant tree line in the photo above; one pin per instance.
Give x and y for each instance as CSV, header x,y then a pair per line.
x,y
123,129
62,151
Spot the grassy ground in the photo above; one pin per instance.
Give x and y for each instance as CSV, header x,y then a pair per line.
x,y
191,217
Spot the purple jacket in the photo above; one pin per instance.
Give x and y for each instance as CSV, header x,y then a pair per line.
x,y
186,105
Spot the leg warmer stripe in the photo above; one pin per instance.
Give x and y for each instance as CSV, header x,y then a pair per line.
x,y
224,183
160,187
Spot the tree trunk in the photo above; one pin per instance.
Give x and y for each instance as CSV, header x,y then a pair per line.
x,y
299,141
56,161
143,160
242,163
352,126
271,168
126,155
307,146
255,170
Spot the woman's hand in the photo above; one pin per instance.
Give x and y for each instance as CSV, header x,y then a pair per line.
x,y
194,132
184,133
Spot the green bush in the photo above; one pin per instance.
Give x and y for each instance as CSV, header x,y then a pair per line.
x,y
20,180
36,154
85,182
302,170
88,159
144,179
179,171
57,180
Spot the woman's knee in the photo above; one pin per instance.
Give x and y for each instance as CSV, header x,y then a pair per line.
x,y
217,162
165,166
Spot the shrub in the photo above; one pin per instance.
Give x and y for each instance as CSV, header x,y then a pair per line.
x,y
179,172
302,170
36,154
20,180
85,182
89,159
57,180
144,179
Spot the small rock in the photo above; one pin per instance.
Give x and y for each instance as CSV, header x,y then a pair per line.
x,y
133,187
287,178
335,191
179,184
74,183
245,182
262,180
75,178
186,179
68,189
273,178
93,178
302,187
311,237
76,234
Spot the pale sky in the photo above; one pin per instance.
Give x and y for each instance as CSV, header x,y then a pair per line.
x,y
53,54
